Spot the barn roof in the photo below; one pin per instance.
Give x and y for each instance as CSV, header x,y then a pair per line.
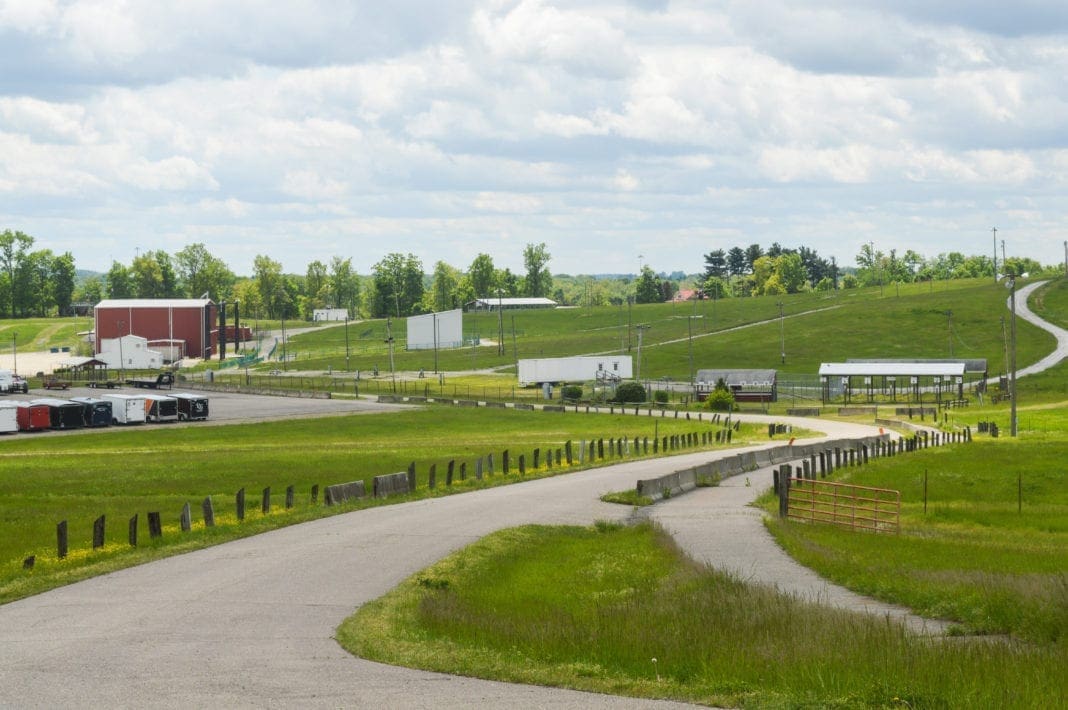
x,y
737,377
977,365
155,303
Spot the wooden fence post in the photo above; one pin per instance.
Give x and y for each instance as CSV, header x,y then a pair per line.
x,y
98,533
155,525
132,536
240,504
289,497
208,509
61,539
184,519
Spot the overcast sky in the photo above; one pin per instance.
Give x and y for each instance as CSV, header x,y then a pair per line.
x,y
615,132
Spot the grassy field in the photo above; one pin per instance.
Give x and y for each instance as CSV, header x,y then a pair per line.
x,y
120,472
990,552
620,610
909,321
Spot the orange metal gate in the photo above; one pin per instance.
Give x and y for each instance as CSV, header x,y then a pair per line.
x,y
845,505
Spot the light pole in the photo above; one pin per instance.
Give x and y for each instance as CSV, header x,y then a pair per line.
x,y
122,360
782,334
949,318
995,231
346,342
14,355
641,331
1066,258
1012,354
500,323
693,383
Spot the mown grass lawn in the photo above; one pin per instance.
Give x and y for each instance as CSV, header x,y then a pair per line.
x,y
619,610
122,472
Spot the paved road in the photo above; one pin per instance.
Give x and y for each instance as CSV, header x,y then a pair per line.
x,y
250,623
1023,311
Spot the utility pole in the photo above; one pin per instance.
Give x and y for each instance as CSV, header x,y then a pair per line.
x,y
641,327
389,342
346,342
949,317
1004,261
435,321
1066,258
122,359
500,324
1012,354
782,334
14,355
995,231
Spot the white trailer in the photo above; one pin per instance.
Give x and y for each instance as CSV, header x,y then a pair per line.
x,y
9,417
10,382
126,408
575,369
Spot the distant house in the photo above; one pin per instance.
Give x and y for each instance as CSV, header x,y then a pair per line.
x,y
687,294
507,304
745,385
330,314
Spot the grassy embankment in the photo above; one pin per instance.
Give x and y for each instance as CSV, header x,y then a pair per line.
x,y
619,610
122,472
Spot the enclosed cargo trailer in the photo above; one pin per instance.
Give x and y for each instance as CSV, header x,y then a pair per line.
x,y
575,369
97,412
63,413
9,417
126,408
160,408
33,417
191,407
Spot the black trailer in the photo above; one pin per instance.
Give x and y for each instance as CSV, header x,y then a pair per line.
x,y
191,407
161,408
97,412
63,413
163,379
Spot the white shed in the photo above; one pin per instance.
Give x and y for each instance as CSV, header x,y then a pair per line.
x,y
129,351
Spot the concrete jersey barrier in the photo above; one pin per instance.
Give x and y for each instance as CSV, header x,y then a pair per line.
x,y
390,484
341,492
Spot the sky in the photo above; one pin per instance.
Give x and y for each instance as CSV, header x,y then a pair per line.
x,y
617,133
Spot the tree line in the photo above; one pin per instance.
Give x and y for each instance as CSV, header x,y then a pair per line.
x,y
754,271
39,283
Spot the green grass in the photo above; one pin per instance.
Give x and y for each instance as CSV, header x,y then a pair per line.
x,y
619,610
122,472
627,497
979,556
820,327
33,334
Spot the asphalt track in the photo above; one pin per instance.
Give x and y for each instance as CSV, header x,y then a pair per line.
x,y
250,623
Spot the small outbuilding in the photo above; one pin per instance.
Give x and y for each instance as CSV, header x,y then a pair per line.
x,y
746,385
910,380
508,304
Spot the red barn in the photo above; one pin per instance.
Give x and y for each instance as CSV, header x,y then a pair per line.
x,y
190,320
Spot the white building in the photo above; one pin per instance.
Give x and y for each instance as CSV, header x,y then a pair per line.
x,y
330,314
129,352
436,330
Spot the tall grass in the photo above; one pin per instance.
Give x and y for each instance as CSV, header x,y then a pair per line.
x,y
991,551
620,610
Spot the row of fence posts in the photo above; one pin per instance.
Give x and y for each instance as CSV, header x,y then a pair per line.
x,y
587,450
155,522
832,459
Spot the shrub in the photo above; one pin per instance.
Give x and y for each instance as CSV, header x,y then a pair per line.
x,y
630,392
721,399
660,396
571,392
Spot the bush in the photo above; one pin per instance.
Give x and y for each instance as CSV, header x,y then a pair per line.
x,y
630,392
571,392
661,396
721,399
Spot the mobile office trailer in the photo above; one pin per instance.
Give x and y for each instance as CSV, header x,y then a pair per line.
x,y
63,413
9,417
191,407
126,408
97,412
161,408
575,369
33,416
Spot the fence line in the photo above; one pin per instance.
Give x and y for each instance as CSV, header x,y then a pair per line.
x,y
845,505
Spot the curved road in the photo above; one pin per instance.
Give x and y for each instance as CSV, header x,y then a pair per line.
x,y
1024,311
250,623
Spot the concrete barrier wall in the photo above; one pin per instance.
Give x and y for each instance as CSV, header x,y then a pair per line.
x,y
341,492
390,484
687,479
